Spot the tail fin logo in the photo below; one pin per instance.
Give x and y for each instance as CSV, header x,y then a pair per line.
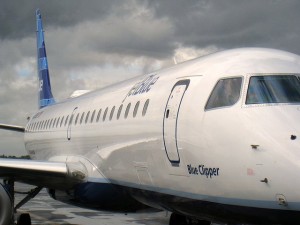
x,y
41,85
45,93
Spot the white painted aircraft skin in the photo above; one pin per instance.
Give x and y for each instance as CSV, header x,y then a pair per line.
x,y
130,151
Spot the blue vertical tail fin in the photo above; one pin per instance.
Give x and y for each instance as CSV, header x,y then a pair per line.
x,y
45,93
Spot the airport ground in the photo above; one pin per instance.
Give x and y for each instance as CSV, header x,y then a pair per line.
x,y
44,210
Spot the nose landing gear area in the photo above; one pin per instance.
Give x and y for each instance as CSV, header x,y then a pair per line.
x,y
177,219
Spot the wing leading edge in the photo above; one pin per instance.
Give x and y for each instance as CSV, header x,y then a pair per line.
x,y
12,127
58,175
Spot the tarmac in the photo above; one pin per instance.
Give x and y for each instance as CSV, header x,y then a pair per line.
x,y
47,211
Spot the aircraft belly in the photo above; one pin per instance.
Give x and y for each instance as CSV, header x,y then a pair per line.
x,y
220,210
99,196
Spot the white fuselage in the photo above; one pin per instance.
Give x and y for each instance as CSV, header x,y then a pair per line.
x,y
240,155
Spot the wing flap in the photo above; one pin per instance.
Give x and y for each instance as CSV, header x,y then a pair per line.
x,y
58,175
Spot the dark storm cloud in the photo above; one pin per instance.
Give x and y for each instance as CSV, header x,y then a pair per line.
x,y
230,24
197,23
17,18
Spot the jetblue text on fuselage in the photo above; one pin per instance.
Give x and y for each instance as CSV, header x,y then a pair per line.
x,y
143,86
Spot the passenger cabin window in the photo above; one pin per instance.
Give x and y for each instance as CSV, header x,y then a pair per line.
x,y
273,89
112,113
81,119
87,117
136,107
145,107
54,122
76,120
98,116
62,120
71,119
66,121
47,122
50,123
119,111
93,115
225,93
104,115
57,122
127,110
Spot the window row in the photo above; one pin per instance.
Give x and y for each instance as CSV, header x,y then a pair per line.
x,y
95,116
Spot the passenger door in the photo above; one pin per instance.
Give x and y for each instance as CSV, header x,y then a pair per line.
x,y
172,112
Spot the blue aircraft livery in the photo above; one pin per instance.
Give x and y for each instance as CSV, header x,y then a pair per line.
x,y
45,94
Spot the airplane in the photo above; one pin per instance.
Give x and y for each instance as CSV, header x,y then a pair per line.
x,y
213,139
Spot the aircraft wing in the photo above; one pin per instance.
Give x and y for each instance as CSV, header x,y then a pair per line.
x,y
12,127
57,175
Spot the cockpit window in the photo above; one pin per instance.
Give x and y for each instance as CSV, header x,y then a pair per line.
x,y
225,93
273,89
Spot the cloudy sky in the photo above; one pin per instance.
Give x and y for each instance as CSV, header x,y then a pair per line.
x,y
91,44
